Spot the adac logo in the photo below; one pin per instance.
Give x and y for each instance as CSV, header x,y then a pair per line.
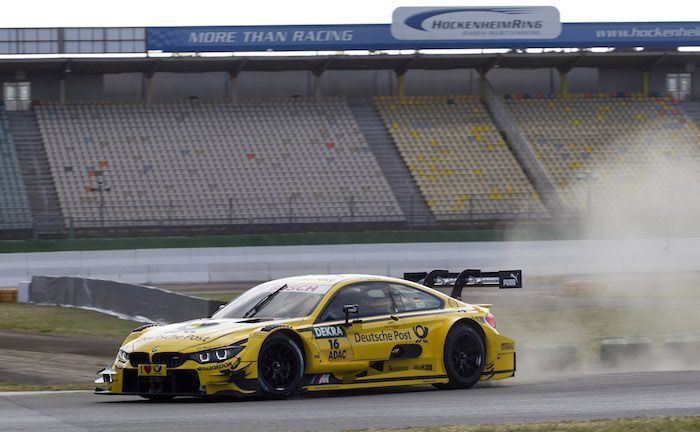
x,y
155,349
421,332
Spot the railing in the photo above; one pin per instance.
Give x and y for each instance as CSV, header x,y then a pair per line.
x,y
230,216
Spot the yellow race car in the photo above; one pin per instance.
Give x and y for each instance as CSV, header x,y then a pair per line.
x,y
316,333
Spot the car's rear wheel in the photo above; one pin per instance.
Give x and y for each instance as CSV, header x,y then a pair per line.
x,y
464,356
280,366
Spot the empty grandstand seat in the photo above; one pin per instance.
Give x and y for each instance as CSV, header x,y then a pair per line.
x,y
638,152
215,162
15,212
456,155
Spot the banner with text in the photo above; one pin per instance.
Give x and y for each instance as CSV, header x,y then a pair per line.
x,y
497,23
384,36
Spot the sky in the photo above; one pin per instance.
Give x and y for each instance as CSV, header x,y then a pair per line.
x,y
143,13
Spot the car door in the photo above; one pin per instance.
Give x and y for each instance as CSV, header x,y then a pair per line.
x,y
371,333
417,319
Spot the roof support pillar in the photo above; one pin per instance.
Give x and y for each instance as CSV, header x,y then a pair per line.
x,y
317,87
563,83
232,90
483,82
645,82
62,90
400,84
148,87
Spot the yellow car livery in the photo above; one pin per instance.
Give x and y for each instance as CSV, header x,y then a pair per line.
x,y
328,332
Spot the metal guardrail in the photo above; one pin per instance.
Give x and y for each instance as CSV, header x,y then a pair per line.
x,y
166,217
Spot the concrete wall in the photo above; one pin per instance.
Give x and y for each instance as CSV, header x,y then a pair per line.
x,y
616,80
509,81
364,84
204,265
210,85
274,84
581,80
123,87
84,87
442,82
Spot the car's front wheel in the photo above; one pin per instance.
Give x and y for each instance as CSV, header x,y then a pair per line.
x,y
280,366
464,356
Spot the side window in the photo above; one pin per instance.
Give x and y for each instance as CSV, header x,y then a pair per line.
x,y
409,299
372,299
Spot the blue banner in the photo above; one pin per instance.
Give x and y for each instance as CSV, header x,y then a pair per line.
x,y
379,37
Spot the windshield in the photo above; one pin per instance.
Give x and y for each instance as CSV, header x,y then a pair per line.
x,y
291,301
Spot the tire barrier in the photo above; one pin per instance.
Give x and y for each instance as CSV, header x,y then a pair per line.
x,y
8,295
684,346
621,350
138,302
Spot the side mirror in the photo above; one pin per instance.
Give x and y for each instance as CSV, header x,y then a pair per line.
x,y
350,309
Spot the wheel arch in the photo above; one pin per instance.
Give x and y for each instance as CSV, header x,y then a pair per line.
x,y
296,337
471,323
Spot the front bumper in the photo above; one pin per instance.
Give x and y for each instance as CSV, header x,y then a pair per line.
x,y
231,379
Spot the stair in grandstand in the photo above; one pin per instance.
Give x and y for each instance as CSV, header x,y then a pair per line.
x,y
394,169
41,190
522,150
692,110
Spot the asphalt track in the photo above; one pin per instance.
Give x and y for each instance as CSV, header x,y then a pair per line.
x,y
589,397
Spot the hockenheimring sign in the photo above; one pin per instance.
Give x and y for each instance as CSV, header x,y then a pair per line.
x,y
416,23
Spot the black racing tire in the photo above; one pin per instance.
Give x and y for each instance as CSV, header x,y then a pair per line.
x,y
157,397
464,357
280,366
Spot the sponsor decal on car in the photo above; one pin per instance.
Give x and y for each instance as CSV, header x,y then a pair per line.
x,y
189,337
331,331
421,333
507,346
397,368
337,354
423,367
228,365
383,336
152,370
320,379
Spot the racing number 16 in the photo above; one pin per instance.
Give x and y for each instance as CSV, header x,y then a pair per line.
x,y
333,343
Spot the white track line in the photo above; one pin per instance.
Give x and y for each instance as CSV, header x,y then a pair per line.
x,y
42,393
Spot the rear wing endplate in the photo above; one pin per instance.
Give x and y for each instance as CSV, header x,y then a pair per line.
x,y
443,278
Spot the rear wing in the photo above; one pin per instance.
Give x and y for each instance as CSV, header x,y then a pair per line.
x,y
470,277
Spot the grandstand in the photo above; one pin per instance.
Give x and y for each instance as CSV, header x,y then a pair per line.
x,y
160,139
192,162
458,158
14,206
618,144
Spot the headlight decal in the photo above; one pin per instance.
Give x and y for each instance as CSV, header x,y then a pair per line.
x,y
122,356
217,355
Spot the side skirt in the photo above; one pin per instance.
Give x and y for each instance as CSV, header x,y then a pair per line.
x,y
374,383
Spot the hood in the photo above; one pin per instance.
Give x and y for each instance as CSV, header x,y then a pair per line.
x,y
196,335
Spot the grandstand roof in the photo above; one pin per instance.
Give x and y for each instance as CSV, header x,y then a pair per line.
x,y
235,64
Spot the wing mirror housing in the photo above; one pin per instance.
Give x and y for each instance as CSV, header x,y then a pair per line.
x,y
350,309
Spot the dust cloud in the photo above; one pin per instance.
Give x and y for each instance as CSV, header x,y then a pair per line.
x,y
628,320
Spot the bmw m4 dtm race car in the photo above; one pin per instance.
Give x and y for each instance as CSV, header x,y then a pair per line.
x,y
327,332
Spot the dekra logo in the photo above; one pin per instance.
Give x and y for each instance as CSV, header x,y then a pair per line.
x,y
329,331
